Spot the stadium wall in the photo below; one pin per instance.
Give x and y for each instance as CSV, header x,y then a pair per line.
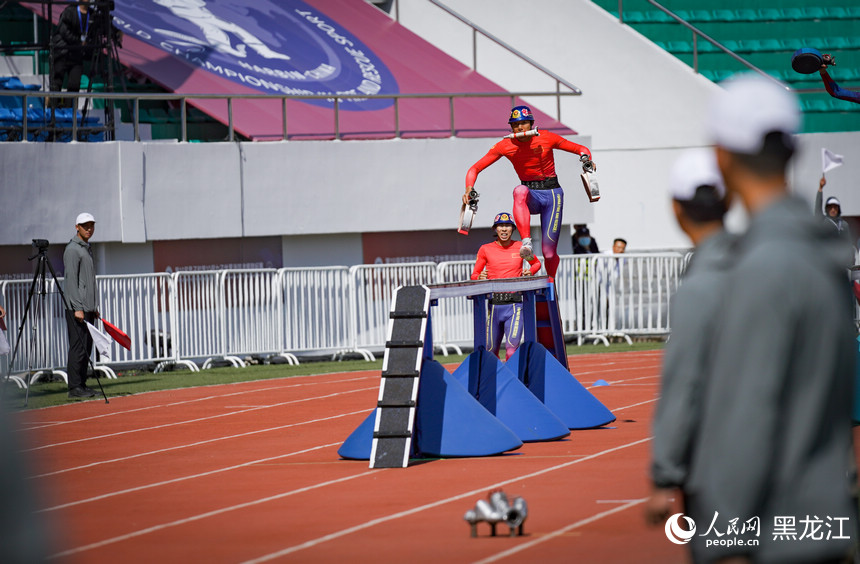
x,y
320,200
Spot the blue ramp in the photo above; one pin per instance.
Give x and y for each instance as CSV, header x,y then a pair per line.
x,y
557,388
502,394
448,423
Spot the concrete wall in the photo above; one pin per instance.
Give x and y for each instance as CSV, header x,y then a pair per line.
x,y
320,196
153,191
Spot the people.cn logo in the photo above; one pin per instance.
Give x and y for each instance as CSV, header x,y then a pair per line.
x,y
679,535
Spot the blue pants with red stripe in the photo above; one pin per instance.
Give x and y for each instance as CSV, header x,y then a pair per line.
x,y
505,320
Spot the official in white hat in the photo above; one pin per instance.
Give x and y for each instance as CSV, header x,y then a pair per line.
x,y
82,298
699,201
774,445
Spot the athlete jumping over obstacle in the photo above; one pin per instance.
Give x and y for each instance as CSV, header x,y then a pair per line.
x,y
501,259
531,153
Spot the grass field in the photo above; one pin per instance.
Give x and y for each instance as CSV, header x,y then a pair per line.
x,y
137,381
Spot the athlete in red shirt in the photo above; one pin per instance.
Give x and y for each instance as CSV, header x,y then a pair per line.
x,y
539,191
501,259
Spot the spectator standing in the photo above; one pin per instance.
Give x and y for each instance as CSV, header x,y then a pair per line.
x,y
82,297
583,242
832,213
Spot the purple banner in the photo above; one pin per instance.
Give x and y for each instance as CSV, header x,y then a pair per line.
x,y
285,47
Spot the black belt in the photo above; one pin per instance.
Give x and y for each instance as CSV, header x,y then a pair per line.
x,y
545,184
501,298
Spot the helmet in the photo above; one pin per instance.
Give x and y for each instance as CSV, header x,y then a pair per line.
x,y
521,113
503,218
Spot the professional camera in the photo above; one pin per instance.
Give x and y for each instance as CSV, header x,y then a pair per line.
x,y
41,244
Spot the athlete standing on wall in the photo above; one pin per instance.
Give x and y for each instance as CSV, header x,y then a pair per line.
x,y
531,152
501,259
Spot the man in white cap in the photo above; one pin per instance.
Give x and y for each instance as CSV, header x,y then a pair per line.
x,y
772,476
832,213
82,297
699,201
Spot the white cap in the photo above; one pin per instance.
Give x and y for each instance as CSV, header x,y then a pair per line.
x,y
84,218
832,201
694,168
750,107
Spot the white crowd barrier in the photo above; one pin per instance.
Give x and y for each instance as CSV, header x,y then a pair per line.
x,y
315,305
42,341
138,304
372,289
230,315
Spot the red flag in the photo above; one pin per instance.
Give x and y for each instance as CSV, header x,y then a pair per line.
x,y
118,335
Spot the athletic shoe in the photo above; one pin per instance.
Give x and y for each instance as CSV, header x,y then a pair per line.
x,y
526,252
80,392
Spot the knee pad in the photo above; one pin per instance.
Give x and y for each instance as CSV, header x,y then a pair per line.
x,y
520,193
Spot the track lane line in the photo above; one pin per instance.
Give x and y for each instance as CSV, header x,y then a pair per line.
x,y
559,532
36,425
201,516
398,515
343,532
191,445
183,478
198,420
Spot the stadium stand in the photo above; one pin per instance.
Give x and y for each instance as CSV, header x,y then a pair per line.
x,y
766,33
41,121
378,41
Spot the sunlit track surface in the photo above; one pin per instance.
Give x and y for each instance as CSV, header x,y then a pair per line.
x,y
250,473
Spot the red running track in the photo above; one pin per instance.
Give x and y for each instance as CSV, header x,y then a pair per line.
x,y
249,473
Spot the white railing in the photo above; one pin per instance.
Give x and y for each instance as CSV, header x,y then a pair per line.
x,y
315,305
452,318
43,343
188,317
139,304
372,289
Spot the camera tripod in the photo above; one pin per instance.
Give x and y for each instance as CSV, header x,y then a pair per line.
x,y
38,287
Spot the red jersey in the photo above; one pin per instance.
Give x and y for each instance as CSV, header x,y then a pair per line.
x,y
532,157
502,262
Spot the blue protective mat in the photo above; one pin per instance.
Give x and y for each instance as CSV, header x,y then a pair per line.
x,y
500,391
557,388
448,423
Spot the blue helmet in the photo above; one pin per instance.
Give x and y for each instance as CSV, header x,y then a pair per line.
x,y
503,218
521,113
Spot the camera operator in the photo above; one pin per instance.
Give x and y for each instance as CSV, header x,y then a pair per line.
x,y
83,29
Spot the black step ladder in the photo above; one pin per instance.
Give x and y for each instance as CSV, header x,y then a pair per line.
x,y
401,368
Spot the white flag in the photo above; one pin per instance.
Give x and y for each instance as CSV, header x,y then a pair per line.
x,y
829,160
101,341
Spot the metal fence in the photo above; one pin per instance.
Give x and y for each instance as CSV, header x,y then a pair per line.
x,y
229,315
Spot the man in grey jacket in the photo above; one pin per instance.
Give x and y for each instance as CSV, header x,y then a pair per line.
x,y
82,297
772,476
700,202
